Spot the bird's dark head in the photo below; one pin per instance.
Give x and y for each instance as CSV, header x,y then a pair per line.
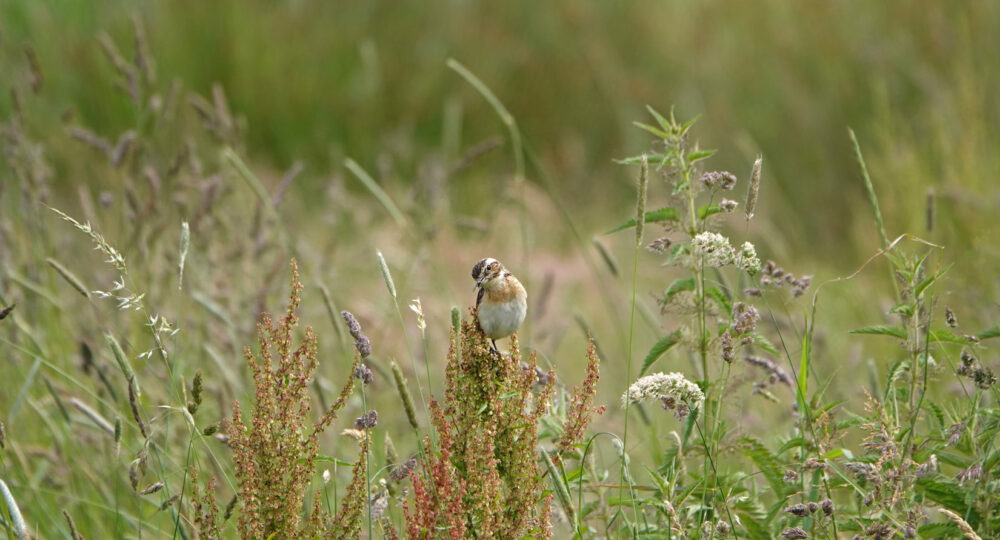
x,y
486,270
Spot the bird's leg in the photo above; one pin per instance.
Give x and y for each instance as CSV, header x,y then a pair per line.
x,y
495,349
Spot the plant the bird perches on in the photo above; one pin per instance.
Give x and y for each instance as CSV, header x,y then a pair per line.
x,y
483,479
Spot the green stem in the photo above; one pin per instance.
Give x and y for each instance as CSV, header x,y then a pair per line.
x,y
628,377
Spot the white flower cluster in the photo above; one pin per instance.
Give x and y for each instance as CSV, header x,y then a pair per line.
x,y
747,259
715,248
718,252
664,385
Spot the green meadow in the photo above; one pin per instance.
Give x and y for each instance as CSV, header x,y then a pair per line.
x,y
759,241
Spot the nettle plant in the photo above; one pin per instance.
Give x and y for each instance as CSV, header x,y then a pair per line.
x,y
911,464
717,323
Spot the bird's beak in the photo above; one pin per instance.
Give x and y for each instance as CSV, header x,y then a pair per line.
x,y
479,283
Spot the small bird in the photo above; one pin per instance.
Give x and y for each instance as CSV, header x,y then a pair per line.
x,y
502,300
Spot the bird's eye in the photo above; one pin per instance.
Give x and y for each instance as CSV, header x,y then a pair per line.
x,y
490,267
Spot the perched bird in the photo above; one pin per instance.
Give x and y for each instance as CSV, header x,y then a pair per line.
x,y
502,300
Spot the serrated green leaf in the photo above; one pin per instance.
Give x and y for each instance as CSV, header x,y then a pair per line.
x,y
881,330
708,210
651,158
894,371
755,529
653,216
680,187
721,298
955,460
658,132
678,285
664,123
699,155
937,415
946,529
946,336
770,466
902,309
687,125
676,251
661,347
991,332
918,291
948,493
761,341
794,442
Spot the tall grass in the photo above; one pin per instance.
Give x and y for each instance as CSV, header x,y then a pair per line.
x,y
746,416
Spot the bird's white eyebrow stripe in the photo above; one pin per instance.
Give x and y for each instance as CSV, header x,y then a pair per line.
x,y
488,261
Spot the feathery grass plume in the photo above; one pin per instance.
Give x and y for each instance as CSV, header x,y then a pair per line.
x,y
391,461
872,199
6,311
168,502
129,82
133,401
93,415
35,76
962,524
185,244
489,429
230,507
68,276
640,205
456,319
581,408
3,436
56,398
929,211
754,189
404,394
152,488
118,432
197,387
384,268
123,362
115,258
274,467
143,59
73,533
16,521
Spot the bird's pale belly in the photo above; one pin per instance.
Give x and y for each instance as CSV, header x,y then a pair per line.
x,y
499,320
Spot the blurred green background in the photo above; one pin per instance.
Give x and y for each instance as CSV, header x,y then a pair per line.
x,y
315,83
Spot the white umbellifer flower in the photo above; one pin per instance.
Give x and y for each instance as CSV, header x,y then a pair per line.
x,y
715,247
747,259
664,385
